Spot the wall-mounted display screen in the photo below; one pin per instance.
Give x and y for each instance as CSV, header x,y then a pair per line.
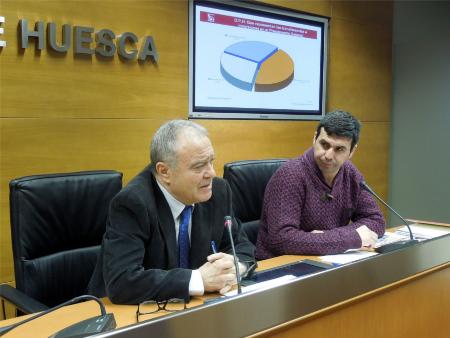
x,y
249,61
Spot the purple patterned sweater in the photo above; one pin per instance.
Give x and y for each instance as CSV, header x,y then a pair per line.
x,y
295,203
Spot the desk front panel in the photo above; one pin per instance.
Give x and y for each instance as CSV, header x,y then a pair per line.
x,y
262,311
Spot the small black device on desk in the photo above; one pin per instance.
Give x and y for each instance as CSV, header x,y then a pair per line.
x,y
297,269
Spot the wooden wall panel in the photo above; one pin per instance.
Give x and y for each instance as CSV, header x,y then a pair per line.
x,y
319,7
238,140
66,113
364,12
360,69
55,85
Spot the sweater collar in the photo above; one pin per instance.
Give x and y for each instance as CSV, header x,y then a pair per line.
x,y
309,156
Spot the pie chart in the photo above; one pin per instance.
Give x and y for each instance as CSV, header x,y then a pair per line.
x,y
256,66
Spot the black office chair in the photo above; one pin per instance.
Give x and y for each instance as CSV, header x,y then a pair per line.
x,y
57,225
248,180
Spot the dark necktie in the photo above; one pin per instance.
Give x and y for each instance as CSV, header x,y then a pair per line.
x,y
183,238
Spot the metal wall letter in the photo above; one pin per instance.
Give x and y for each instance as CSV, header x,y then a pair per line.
x,y
105,44
148,48
126,44
121,45
81,38
26,34
66,37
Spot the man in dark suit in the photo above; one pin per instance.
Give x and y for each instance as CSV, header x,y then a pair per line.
x,y
158,240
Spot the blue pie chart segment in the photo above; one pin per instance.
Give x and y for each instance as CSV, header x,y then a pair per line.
x,y
241,61
239,72
255,51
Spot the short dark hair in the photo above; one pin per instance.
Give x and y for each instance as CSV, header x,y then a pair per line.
x,y
340,123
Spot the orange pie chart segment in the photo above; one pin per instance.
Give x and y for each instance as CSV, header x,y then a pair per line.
x,y
275,73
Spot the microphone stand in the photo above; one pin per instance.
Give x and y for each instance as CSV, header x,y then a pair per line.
x,y
236,261
396,245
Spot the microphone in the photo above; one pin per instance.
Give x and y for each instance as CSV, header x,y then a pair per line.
x,y
396,245
327,197
104,322
228,224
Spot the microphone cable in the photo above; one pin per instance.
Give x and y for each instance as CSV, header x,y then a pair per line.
x,y
4,330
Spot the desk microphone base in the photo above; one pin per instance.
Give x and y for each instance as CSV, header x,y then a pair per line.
x,y
88,327
396,245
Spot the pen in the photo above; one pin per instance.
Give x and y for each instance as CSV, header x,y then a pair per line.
x,y
213,247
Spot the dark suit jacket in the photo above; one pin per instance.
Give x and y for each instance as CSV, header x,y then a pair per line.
x,y
138,260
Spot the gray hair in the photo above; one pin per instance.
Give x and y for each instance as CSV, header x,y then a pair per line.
x,y
164,144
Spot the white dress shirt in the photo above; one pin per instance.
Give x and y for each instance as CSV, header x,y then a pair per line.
x,y
196,287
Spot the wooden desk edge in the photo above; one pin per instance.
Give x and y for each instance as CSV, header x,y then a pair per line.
x,y
428,222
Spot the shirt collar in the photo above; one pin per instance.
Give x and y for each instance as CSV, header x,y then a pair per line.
x,y
176,207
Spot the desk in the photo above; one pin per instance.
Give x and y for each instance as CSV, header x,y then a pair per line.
x,y
404,293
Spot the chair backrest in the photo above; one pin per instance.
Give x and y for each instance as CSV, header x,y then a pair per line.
x,y
57,225
248,180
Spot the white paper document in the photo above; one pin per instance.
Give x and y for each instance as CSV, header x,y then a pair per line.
x,y
422,232
263,285
391,237
347,257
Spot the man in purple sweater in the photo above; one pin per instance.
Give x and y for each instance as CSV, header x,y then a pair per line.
x,y
313,205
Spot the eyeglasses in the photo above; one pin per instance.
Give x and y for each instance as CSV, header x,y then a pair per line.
x,y
153,306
